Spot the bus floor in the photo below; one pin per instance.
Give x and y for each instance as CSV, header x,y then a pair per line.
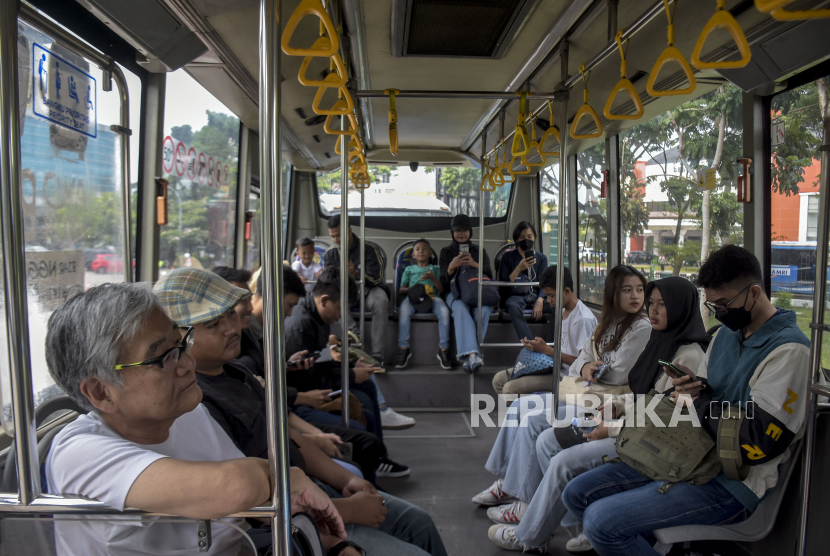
x,y
447,457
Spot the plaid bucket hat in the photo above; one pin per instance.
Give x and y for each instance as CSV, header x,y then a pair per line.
x,y
194,295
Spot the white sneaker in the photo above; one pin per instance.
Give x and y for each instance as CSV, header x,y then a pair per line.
x,y
493,495
504,536
509,514
391,419
579,543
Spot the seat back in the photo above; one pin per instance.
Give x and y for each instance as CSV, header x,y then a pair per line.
x,y
499,254
403,259
320,248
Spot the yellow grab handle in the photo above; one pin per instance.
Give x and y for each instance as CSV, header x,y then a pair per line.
x,y
337,78
487,183
627,86
310,7
722,20
393,122
585,110
354,146
671,54
519,171
784,15
338,109
526,162
521,142
552,130
330,118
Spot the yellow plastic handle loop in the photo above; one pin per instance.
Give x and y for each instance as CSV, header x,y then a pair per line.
x,y
334,131
624,84
585,110
500,169
671,54
521,170
552,130
337,78
354,146
722,20
496,177
486,181
338,109
310,7
533,145
393,122
521,141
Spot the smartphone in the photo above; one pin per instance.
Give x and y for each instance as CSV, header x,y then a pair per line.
x,y
464,248
530,254
346,450
336,394
680,372
313,357
600,371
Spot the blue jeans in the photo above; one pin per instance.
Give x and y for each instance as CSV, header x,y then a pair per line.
x,y
619,508
466,329
513,456
546,510
311,415
516,306
439,308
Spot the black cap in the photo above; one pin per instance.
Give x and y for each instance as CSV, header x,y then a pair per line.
x,y
461,222
419,298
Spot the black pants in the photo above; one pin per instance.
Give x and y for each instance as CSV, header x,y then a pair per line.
x,y
366,447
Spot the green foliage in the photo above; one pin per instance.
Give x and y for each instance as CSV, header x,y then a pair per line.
x,y
784,300
724,212
461,181
687,254
330,182
633,211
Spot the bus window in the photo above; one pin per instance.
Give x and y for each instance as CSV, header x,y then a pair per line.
x,y
550,214
200,161
593,224
429,191
796,169
71,163
252,246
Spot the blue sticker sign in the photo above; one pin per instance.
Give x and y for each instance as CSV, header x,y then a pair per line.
x,y
63,93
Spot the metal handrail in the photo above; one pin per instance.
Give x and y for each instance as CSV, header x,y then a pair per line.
x,y
497,283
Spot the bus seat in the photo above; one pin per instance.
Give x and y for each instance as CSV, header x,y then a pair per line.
x,y
42,413
528,313
752,529
384,261
403,258
320,248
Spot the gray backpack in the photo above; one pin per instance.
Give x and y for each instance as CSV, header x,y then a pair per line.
x,y
681,453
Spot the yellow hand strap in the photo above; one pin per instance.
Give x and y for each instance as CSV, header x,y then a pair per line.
x,y
521,142
585,110
393,122
310,7
671,54
552,130
722,20
624,84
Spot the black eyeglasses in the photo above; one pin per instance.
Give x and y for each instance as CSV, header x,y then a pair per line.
x,y
713,308
167,360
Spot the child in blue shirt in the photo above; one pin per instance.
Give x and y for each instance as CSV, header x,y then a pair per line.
x,y
422,290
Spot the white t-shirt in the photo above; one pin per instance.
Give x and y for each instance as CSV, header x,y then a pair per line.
x,y
310,272
575,330
89,459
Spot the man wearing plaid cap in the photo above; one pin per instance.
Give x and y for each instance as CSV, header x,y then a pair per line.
x,y
236,400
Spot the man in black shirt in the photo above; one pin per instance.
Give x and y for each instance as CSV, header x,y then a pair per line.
x,y
377,294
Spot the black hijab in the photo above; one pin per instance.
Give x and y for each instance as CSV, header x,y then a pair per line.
x,y
685,326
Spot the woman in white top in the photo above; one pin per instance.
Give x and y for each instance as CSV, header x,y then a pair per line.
x,y
623,331
678,335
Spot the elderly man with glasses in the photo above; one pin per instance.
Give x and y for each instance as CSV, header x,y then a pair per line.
x,y
147,442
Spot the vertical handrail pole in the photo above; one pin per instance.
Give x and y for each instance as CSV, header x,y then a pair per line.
x,y
560,240
243,193
375,349
820,293
481,209
272,325
14,263
126,190
345,302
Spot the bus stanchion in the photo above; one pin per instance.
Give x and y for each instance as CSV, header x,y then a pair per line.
x,y
344,281
273,325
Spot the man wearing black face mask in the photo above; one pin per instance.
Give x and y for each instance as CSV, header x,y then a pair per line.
x,y
759,361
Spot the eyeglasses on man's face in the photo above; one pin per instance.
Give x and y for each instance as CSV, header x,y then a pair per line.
x,y
714,307
167,361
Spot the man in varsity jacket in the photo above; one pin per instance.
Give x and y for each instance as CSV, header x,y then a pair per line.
x,y
377,294
758,360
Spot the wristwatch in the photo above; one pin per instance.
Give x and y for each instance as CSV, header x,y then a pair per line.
x,y
342,545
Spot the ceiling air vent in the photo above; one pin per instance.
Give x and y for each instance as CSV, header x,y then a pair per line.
x,y
456,28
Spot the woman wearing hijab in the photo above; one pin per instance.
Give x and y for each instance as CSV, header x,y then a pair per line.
x,y
678,335
460,253
524,264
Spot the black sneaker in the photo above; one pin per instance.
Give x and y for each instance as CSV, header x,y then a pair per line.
x,y
402,358
389,468
444,359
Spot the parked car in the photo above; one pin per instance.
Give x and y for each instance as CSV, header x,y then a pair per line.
x,y
90,254
640,257
107,263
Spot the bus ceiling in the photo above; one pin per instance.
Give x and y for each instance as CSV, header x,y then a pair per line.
x,y
389,46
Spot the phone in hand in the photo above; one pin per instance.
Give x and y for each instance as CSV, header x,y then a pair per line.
x,y
313,357
464,249
678,371
346,450
600,371
530,254
336,394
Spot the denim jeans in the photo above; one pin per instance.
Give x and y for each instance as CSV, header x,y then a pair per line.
x,y
466,328
407,530
546,509
367,395
619,508
439,309
513,456
378,304
311,415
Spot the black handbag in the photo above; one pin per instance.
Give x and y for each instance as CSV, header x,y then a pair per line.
x,y
305,540
464,286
